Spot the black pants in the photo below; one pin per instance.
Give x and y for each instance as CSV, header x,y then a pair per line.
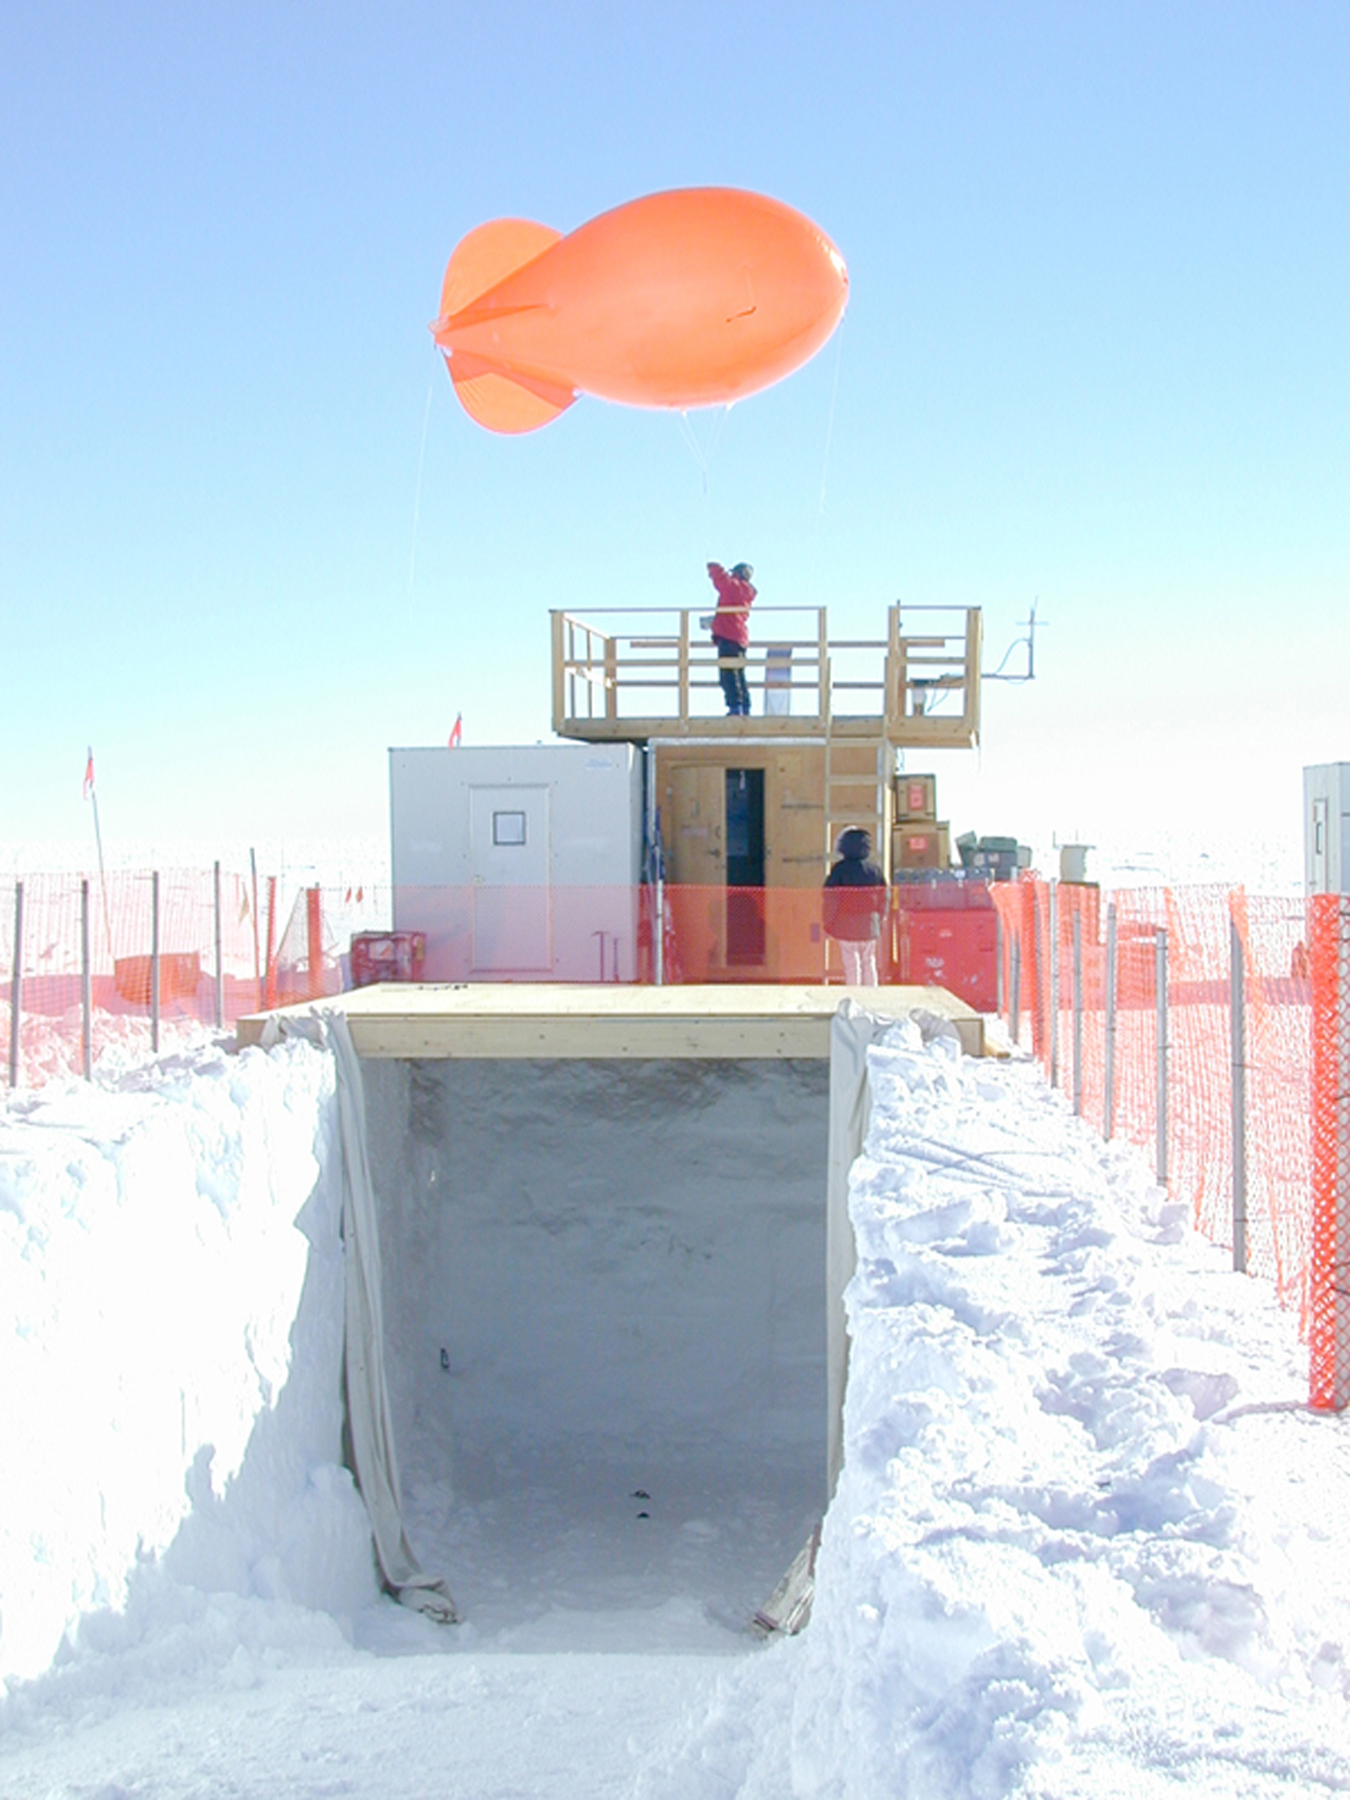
x,y
734,685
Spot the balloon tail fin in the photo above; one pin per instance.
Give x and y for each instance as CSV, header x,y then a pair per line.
x,y
503,399
488,255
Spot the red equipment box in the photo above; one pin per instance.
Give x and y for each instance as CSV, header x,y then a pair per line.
x,y
387,956
945,934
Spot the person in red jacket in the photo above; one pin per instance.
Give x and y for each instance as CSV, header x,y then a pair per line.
x,y
855,905
731,633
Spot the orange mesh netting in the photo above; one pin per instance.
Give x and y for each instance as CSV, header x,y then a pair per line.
x,y
1091,1023
1329,1307
209,973
1068,1023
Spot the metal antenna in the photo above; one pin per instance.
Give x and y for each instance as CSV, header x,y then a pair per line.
x,y
1028,643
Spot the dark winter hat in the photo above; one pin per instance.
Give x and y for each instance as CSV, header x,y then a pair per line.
x,y
855,844
743,572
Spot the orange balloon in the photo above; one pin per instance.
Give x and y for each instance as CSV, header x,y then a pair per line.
x,y
688,298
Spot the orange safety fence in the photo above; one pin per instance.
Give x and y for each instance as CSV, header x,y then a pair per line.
x,y
226,948
928,936
1093,1022
1074,971
1330,1282
222,952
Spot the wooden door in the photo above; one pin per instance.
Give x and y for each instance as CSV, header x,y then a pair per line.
x,y
694,826
795,864
794,818
694,830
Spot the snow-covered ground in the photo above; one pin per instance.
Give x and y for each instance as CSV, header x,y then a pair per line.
x,y
1087,1539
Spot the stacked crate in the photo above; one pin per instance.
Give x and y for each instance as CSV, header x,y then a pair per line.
x,y
920,842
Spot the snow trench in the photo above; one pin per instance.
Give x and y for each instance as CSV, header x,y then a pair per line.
x,y
1087,1539
605,1324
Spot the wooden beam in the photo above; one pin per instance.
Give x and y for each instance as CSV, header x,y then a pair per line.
x,y
559,679
516,1020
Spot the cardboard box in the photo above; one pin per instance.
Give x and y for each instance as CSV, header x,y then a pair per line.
x,y
915,797
921,846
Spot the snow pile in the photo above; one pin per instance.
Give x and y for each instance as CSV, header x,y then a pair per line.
x,y
51,1048
1086,1538
172,1369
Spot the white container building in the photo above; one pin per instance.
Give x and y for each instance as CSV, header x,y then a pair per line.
x,y
519,862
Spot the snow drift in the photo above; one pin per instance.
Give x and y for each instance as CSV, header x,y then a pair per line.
x,y
172,1370
1087,1540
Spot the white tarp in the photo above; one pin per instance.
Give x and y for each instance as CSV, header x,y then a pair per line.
x,y
852,1030
368,1410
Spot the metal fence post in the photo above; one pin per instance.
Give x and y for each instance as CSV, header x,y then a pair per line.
x,y
86,986
1077,1011
154,961
16,987
659,932
1160,980
1015,986
1238,1016
220,965
1053,983
257,954
314,941
1000,970
1109,1072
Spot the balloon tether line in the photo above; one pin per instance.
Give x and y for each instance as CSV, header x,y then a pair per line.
x,y
701,456
829,424
417,494
825,463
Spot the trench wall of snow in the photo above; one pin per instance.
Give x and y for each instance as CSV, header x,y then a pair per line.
x,y
171,1260
605,1250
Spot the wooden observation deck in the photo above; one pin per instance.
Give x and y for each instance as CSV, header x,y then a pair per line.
x,y
637,674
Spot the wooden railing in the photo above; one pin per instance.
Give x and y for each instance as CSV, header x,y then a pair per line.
x,y
630,673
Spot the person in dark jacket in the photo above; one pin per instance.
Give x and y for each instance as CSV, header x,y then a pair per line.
x,y
855,904
731,633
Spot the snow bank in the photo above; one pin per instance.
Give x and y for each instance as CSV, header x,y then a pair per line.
x,y
1078,1544
1087,1539
170,1255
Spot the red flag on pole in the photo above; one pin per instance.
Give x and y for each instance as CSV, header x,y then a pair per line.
x,y
89,776
458,731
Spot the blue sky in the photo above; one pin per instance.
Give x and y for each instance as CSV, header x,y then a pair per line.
x,y
1095,352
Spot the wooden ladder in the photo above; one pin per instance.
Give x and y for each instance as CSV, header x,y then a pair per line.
x,y
857,789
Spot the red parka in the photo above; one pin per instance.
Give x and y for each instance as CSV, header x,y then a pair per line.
x,y
734,600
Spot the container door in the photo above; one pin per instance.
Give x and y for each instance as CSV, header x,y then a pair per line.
x,y
694,820
696,829
795,819
1321,846
509,870
795,863
744,810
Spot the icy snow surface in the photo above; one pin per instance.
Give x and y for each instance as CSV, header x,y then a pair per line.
x,y
1087,1540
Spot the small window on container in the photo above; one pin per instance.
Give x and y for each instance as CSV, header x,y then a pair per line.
x,y
508,828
